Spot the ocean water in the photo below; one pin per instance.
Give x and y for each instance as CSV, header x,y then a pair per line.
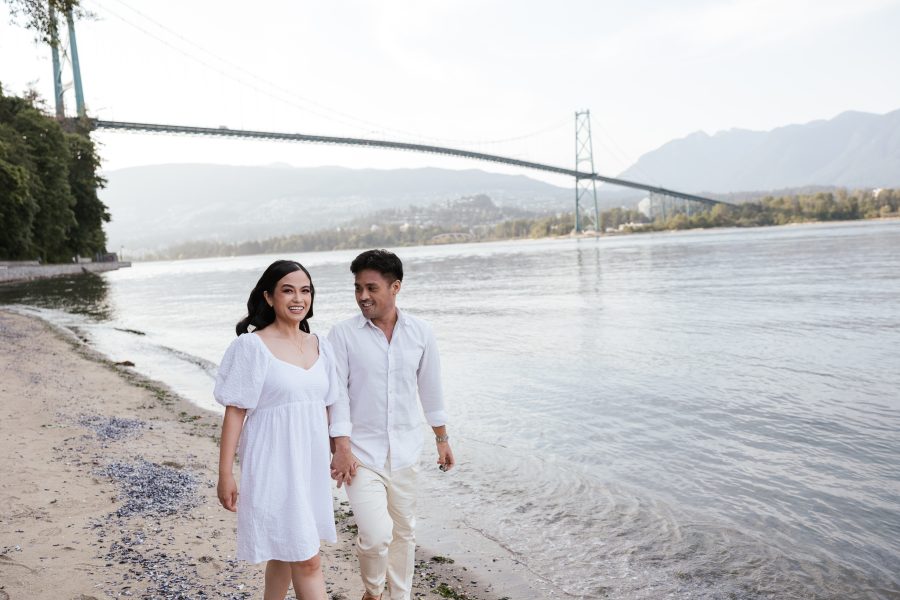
x,y
707,414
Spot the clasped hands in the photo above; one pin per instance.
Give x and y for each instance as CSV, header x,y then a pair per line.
x,y
343,463
343,467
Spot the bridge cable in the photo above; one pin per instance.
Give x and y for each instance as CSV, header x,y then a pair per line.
x,y
214,67
374,127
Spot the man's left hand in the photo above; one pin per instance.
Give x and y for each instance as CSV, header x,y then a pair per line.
x,y
445,456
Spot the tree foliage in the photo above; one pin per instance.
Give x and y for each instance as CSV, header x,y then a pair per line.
x,y
87,236
17,206
47,159
840,205
36,14
48,187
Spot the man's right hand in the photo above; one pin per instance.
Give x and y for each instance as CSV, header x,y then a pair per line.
x,y
343,463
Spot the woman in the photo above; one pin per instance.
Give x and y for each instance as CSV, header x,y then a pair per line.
x,y
281,378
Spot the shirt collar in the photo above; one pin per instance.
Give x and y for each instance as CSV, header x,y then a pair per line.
x,y
361,320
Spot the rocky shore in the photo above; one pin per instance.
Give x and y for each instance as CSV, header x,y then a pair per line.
x,y
108,488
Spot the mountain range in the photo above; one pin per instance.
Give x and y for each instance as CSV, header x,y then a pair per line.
x,y
852,150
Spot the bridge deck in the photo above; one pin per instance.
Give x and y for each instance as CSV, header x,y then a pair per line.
x,y
349,141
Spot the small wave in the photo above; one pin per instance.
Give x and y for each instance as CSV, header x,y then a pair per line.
x,y
126,330
207,366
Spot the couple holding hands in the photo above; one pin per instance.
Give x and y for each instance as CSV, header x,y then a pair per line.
x,y
302,410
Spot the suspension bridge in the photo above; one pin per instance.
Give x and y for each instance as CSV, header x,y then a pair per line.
x,y
584,173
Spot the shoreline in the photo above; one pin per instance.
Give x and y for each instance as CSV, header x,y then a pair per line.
x,y
568,236
15,273
63,530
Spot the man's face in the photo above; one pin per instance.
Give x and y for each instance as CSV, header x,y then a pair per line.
x,y
376,295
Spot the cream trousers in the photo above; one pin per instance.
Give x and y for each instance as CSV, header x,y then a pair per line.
x,y
384,505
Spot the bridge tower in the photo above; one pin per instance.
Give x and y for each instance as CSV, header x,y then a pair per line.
x,y
76,66
584,154
57,67
58,99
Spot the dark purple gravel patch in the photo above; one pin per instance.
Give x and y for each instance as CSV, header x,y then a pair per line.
x,y
148,488
111,428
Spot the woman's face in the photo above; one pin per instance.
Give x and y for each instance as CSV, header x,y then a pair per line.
x,y
291,298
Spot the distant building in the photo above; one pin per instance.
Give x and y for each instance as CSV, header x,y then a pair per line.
x,y
624,226
645,207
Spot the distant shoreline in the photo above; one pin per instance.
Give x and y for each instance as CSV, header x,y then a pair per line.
x,y
568,236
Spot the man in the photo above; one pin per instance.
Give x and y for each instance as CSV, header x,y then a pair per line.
x,y
384,357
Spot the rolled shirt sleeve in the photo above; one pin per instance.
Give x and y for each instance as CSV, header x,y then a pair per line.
x,y
339,398
431,393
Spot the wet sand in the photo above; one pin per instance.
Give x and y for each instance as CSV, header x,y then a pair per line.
x,y
108,488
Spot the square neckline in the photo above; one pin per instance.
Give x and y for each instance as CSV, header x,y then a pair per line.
x,y
290,364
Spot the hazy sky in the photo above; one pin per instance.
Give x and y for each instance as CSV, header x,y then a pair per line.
x,y
465,73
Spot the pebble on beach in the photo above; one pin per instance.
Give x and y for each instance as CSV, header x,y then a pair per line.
x,y
111,428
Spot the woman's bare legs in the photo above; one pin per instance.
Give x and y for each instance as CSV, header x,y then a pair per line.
x,y
306,575
309,582
278,578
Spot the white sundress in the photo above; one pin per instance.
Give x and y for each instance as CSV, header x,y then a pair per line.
x,y
284,504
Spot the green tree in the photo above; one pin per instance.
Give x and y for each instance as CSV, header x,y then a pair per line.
x,y
47,158
17,206
87,236
48,187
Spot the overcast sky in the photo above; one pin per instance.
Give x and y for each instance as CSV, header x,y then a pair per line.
x,y
500,77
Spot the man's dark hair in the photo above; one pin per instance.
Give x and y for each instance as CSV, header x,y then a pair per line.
x,y
383,261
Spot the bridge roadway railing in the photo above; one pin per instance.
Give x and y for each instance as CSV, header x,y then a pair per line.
x,y
349,141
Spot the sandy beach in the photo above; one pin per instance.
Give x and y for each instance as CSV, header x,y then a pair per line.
x,y
108,488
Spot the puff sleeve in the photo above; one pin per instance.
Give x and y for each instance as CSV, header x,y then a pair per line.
x,y
241,373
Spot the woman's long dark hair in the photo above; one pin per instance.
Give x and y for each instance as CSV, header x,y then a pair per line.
x,y
259,313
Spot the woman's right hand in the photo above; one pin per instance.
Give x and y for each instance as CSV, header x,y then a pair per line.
x,y
227,491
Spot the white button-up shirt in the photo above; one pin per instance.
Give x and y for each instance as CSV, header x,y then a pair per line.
x,y
377,405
